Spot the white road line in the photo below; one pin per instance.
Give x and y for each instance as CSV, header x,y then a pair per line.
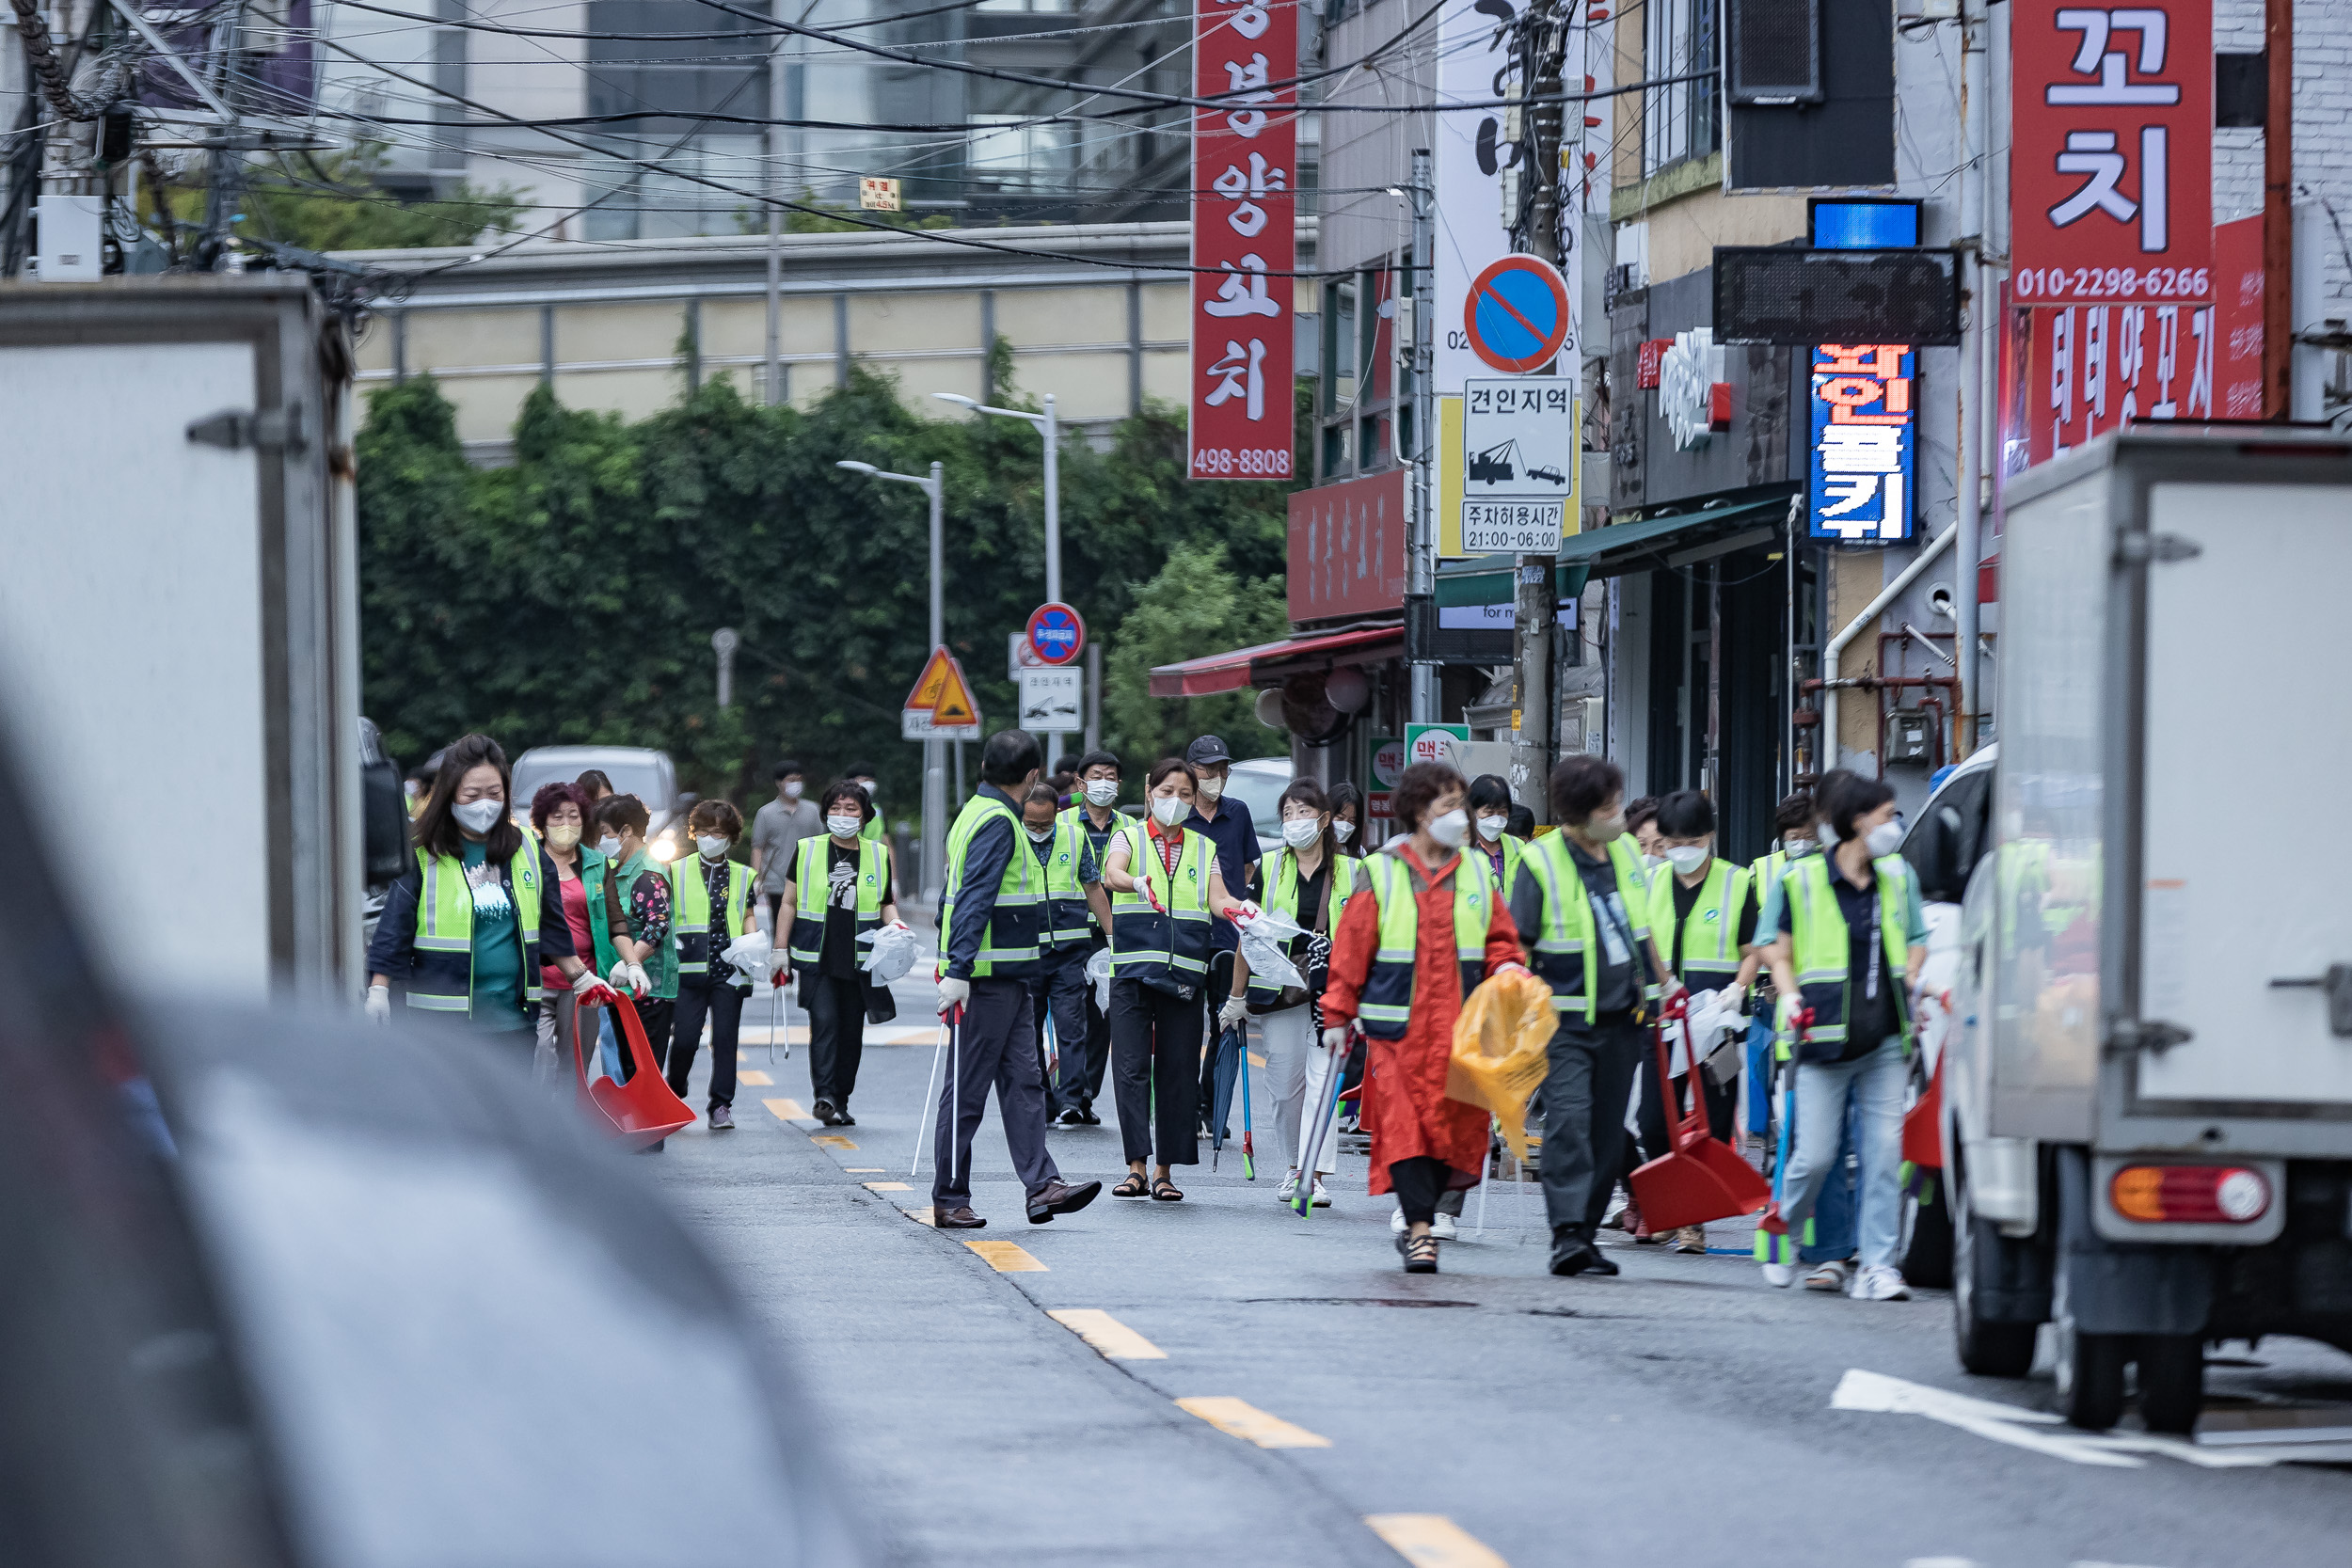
x,y
2039,1432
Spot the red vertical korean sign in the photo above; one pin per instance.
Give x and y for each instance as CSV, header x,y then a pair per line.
x,y
2111,168
1242,234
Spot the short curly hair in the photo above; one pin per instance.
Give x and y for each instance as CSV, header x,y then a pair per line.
x,y
551,796
1422,782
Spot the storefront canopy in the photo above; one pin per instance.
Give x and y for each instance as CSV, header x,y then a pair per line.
x,y
1676,541
1246,667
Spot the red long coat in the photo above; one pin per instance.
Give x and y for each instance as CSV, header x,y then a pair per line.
x,y
1405,1102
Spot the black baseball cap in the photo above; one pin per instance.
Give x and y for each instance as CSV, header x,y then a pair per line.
x,y
1207,751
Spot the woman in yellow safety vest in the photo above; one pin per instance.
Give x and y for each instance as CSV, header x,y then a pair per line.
x,y
839,891
1164,891
1490,819
462,933
710,908
584,885
1308,881
1346,804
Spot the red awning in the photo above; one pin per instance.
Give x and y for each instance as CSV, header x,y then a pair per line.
x,y
1242,668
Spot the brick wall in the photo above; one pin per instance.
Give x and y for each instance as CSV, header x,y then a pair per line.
x,y
2323,128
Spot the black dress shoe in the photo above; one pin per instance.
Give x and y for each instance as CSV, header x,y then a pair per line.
x,y
1061,1197
957,1219
826,1113
1579,1255
1070,1118
1086,1114
842,1117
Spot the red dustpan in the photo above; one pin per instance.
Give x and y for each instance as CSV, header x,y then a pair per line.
x,y
1923,1125
1697,1178
642,1111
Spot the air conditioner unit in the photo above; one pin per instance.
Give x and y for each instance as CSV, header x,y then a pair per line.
x,y
1773,53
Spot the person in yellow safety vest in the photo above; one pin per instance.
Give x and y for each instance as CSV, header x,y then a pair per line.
x,y
1310,882
1847,951
991,920
710,906
462,934
1084,1061
838,890
1702,913
1583,904
1075,906
1490,819
1793,825
1165,896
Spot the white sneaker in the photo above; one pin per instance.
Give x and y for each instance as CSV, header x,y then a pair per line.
x,y
1396,1221
1323,1200
1881,1283
1442,1227
1780,1275
1828,1277
1289,1188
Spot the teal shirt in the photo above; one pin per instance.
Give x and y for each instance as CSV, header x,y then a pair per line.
x,y
498,949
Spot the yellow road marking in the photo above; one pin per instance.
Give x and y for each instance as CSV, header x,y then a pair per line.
x,y
1245,1421
920,1216
1432,1541
756,1080
787,1110
1106,1333
1006,1257
833,1140
887,1187
1255,1060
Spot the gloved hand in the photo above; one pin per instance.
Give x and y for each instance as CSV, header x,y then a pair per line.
x,y
1241,914
1513,968
1335,1037
638,984
953,992
585,983
1799,1022
780,961
1233,1012
1150,893
779,978
380,1004
619,977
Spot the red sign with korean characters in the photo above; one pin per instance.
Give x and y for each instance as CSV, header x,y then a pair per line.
x,y
1244,229
2111,168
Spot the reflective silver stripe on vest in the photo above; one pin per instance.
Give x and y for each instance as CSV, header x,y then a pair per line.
x,y
430,939
432,1003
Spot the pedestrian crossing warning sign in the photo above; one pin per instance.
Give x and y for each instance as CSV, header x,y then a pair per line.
x,y
941,706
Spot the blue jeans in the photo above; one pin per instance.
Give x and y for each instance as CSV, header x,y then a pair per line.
x,y
609,1044
1760,1073
1873,1085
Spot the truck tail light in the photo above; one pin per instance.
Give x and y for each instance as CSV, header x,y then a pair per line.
x,y
2191,1194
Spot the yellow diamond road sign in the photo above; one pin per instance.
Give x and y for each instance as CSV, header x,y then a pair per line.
x,y
941,706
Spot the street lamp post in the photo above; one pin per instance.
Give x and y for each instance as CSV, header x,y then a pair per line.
x,y
1045,423
934,871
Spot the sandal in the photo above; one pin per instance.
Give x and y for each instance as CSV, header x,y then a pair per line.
x,y
1164,1191
1135,1186
1421,1254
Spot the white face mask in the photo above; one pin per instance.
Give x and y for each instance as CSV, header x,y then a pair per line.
x,y
1687,859
1039,835
1600,830
1343,830
712,845
1653,862
792,790
1885,839
1451,828
1490,827
867,785
479,816
844,827
608,845
1299,831
1797,843
1168,810
1102,792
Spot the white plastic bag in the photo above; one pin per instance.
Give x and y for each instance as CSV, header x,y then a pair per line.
x,y
748,953
1262,945
1099,976
894,953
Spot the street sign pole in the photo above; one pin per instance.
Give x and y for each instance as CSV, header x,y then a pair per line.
x,y
934,858
1053,533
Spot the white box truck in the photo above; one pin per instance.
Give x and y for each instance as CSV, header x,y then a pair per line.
x,y
179,638
2148,1102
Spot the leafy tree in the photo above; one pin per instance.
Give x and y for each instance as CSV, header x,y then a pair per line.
x,y
339,202
1195,606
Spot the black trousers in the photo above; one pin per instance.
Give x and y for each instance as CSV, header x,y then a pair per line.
x,y
1584,1099
1060,993
697,998
1155,1044
1088,1084
1220,985
837,1033
1419,1184
655,1014
996,1044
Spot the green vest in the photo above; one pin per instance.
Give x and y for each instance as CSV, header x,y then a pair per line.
x,y
1008,945
1281,898
1711,949
661,965
442,980
1069,921
1076,818
1767,870
690,911
592,868
1569,931
1821,951
1385,1004
1168,951
812,874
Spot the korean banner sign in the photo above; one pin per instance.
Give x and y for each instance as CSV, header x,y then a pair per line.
x,y
1865,442
2111,168
1243,233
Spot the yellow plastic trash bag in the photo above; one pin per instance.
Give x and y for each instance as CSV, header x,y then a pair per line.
x,y
1498,1050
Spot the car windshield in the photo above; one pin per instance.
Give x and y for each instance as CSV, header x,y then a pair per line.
x,y
1261,792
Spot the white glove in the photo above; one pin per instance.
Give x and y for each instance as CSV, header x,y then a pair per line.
x,y
953,994
779,958
638,984
1335,1037
380,1004
619,977
1233,1010
1241,914
584,982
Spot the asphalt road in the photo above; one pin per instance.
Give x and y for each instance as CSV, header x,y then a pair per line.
x,y
1683,1413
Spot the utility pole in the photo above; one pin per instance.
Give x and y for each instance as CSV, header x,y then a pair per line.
x,y
1542,42
1975,43
775,144
2279,212
1420,586
225,185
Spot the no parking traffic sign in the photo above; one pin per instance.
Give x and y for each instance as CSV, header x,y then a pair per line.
x,y
1517,314
1056,634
